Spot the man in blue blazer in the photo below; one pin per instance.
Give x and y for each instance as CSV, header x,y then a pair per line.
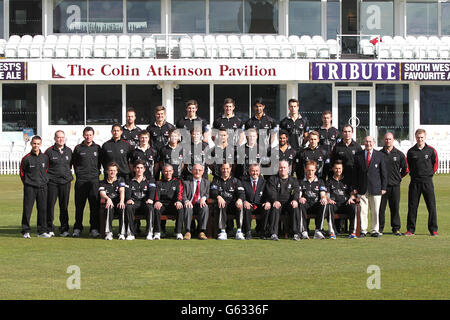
x,y
370,183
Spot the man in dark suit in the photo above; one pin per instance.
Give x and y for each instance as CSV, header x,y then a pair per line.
x,y
370,184
195,195
255,203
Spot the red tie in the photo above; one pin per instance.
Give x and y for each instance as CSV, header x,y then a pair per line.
x,y
368,158
254,186
197,193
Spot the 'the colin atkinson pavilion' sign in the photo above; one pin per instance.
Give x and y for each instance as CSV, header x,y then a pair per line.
x,y
13,71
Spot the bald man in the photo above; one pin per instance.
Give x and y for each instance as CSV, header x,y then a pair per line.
x,y
397,168
370,182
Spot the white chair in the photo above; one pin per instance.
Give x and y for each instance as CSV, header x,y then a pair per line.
x,y
211,48
186,47
198,46
48,51
112,46
317,39
36,46
298,46
273,47
74,46
62,46
247,46
100,46
11,46
87,45
222,46
396,51
261,49
387,39
333,47
235,46
285,47
149,47
2,46
421,47
124,46
323,51
23,48
136,46
383,50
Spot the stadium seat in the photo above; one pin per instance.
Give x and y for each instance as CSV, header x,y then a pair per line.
x,y
198,46
149,47
235,46
211,48
123,46
87,45
23,48
186,47
333,47
112,46
298,46
2,46
247,46
136,46
100,46
260,46
223,48
48,50
36,46
62,46
11,46
74,46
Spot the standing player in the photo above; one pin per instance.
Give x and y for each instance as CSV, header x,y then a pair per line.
x,y
86,163
261,122
329,135
228,120
196,152
296,126
117,150
251,153
145,152
160,129
397,168
112,191
173,154
33,173
423,163
60,177
191,120
315,153
221,153
130,132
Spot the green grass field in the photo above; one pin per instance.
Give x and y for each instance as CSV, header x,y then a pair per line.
x,y
410,267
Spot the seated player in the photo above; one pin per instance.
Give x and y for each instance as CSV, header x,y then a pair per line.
x,y
254,186
230,196
283,192
340,199
168,200
112,191
139,199
313,200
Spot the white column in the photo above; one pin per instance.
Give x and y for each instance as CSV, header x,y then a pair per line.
x,y
291,92
414,109
42,110
167,99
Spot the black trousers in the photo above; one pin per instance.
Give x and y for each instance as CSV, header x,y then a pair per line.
x,y
392,196
30,195
113,213
87,191
261,214
139,208
169,209
291,218
62,193
416,189
316,210
344,209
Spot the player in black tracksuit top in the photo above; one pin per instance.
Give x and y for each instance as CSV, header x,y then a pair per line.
x,y
140,195
230,195
251,153
33,173
329,135
423,163
340,198
316,153
169,200
397,168
117,150
283,193
112,190
159,134
194,152
86,163
60,177
149,155
130,132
